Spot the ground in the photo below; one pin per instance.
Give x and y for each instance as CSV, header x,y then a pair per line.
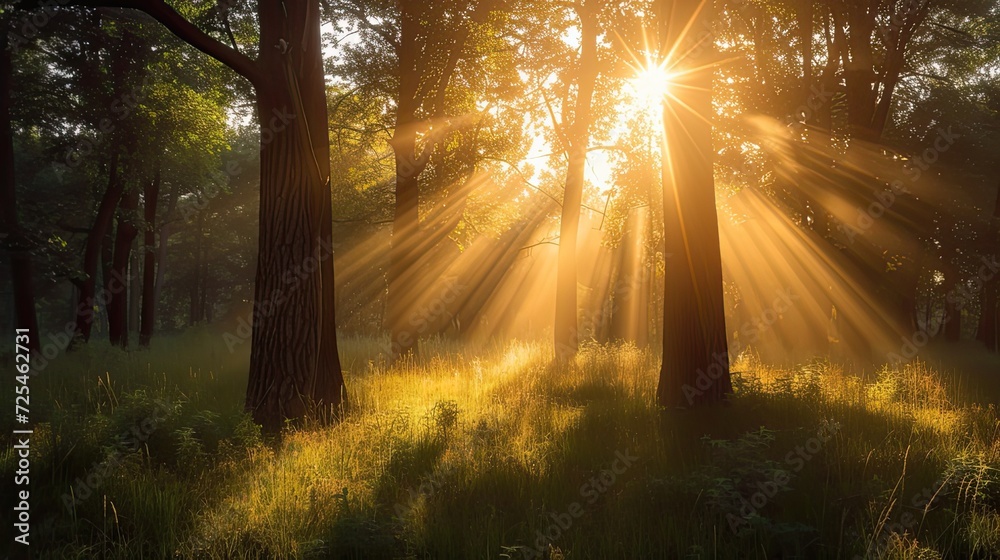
x,y
495,453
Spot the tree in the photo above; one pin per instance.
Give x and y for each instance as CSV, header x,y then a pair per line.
x,y
15,242
125,233
433,60
294,365
576,139
695,368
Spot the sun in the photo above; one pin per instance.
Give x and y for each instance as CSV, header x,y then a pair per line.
x,y
650,85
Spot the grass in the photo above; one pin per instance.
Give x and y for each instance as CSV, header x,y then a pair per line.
x,y
498,454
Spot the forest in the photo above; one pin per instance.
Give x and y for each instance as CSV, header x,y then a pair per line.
x,y
500,279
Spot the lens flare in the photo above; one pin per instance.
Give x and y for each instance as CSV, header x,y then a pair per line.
x,y
651,85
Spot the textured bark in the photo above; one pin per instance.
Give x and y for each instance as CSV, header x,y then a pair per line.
x,y
577,138
16,243
294,366
116,283
149,268
695,368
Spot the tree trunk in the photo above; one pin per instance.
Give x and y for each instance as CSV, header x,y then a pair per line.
x,y
695,367
402,253
117,282
423,85
16,244
406,220
92,250
578,137
294,366
149,268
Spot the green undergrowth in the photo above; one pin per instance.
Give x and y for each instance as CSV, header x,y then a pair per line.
x,y
500,454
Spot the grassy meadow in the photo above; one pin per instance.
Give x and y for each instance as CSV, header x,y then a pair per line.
x,y
498,454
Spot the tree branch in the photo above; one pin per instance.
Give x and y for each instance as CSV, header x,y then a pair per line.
x,y
224,13
540,243
362,18
179,26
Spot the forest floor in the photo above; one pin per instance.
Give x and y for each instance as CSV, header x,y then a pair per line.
x,y
498,454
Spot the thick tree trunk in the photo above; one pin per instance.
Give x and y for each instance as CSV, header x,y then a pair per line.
x,y
15,243
695,367
294,365
565,329
149,268
116,283
578,137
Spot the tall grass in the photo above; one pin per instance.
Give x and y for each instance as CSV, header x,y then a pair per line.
x,y
498,454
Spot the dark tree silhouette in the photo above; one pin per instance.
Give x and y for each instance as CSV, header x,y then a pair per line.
x,y
15,243
124,236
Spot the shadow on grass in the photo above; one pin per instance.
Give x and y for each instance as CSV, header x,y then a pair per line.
x,y
529,460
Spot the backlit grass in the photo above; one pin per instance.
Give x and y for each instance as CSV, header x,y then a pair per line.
x,y
487,455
